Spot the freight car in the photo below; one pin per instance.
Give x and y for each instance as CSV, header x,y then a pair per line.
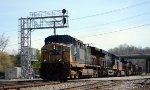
x,y
66,57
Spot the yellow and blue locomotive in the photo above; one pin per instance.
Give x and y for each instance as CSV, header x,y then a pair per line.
x,y
66,57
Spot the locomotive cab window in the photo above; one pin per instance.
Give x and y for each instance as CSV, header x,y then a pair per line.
x,y
59,48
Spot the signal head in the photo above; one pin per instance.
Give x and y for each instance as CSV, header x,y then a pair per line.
x,y
64,20
64,11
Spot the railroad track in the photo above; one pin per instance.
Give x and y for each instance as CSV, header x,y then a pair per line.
x,y
73,85
94,86
18,86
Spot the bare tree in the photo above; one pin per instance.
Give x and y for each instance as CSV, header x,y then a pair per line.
x,y
5,59
125,49
3,42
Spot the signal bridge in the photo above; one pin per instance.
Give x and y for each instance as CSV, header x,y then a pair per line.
x,y
145,58
37,20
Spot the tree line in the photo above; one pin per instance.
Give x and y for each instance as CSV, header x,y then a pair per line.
x,y
125,49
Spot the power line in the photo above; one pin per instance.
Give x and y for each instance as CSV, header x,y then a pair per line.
x,y
144,25
132,17
103,13
119,20
12,45
113,11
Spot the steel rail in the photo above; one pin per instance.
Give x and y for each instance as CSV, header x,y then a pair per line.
x,y
18,86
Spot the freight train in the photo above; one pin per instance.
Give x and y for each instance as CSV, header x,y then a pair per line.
x,y
66,57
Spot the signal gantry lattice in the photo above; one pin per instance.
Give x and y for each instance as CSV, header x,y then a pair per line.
x,y
37,20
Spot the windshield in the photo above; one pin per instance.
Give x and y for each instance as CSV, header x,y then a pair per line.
x,y
56,52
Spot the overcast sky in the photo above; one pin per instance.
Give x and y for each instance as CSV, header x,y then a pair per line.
x,y
103,23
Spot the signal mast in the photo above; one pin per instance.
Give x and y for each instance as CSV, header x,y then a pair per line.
x,y
37,20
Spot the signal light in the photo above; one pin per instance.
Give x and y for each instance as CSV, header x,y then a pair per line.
x,y
64,11
64,20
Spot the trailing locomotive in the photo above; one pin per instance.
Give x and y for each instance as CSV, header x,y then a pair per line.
x,y
66,57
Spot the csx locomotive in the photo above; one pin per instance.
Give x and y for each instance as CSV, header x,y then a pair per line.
x,y
66,57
